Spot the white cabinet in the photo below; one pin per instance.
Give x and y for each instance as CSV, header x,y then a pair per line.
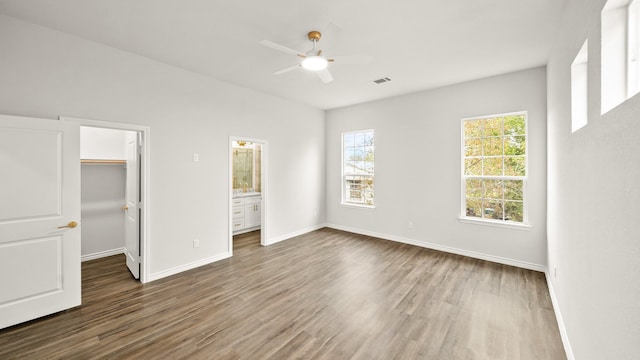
x,y
238,217
252,213
247,213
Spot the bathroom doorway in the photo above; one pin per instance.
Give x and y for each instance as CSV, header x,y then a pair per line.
x,y
247,187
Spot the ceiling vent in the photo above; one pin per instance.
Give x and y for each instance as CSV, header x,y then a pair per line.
x,y
382,80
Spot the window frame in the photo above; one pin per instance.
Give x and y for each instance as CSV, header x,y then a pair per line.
x,y
525,179
620,53
343,178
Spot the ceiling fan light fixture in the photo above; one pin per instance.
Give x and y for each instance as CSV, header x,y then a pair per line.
x,y
314,63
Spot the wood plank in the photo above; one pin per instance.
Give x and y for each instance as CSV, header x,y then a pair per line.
x,y
328,294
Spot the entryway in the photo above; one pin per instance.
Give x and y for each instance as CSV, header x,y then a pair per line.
x,y
111,205
247,188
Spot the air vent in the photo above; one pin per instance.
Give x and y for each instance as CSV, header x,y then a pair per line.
x,y
382,80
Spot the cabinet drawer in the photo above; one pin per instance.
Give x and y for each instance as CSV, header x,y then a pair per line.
x,y
238,224
238,212
252,200
238,201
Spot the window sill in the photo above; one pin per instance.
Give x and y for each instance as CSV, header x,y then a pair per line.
x,y
364,207
502,224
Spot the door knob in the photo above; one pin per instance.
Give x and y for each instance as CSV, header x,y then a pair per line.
x,y
69,225
125,208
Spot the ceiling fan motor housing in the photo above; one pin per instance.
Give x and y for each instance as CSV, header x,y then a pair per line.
x,y
314,35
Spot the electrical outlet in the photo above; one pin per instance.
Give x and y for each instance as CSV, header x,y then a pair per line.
x,y
410,225
196,157
196,243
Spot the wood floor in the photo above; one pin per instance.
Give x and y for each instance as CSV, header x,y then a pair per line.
x,y
324,295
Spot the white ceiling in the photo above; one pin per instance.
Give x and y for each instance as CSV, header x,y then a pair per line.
x,y
419,44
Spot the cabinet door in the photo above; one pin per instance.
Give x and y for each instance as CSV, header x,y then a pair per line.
x,y
252,215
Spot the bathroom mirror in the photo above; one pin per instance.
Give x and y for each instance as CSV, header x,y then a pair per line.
x,y
246,166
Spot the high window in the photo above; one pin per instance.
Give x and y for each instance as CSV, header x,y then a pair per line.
x,y
494,168
579,89
620,52
358,168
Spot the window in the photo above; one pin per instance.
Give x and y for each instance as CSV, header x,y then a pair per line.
x,y
620,52
579,89
358,168
494,168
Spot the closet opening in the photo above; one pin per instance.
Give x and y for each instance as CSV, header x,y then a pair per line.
x,y
247,191
112,195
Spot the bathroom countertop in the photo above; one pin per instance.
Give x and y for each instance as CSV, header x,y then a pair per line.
x,y
246,194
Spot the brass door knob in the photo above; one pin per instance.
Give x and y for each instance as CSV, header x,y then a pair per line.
x,y
125,208
69,225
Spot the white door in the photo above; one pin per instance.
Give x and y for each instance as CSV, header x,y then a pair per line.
x,y
132,208
39,218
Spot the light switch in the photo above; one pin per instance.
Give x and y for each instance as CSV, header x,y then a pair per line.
x,y
196,157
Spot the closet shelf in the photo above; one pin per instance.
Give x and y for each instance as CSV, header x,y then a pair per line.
x,y
99,161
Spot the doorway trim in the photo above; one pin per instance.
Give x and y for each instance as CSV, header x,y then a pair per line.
x,y
263,183
145,257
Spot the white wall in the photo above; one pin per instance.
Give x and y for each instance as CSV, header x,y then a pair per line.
x,y
594,202
417,167
45,73
102,198
99,143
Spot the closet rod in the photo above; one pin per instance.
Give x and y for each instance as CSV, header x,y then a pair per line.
x,y
98,161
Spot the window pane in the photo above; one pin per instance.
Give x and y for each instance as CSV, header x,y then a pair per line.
x,y
492,166
359,138
349,167
368,167
474,188
514,125
473,147
473,166
513,190
368,197
349,139
493,209
514,145
474,207
493,189
368,138
349,153
358,153
369,153
492,146
515,166
514,211
492,127
472,129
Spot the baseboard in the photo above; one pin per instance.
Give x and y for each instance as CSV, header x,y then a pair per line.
x,y
185,267
284,237
102,254
556,309
448,249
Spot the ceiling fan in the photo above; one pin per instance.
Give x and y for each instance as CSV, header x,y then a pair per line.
x,y
313,60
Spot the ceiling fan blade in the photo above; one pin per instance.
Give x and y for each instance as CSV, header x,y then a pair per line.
x,y
282,48
325,76
353,60
287,69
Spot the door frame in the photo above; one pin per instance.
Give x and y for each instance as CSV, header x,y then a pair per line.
x,y
145,174
263,190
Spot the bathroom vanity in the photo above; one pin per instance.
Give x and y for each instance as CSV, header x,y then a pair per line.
x,y
247,212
